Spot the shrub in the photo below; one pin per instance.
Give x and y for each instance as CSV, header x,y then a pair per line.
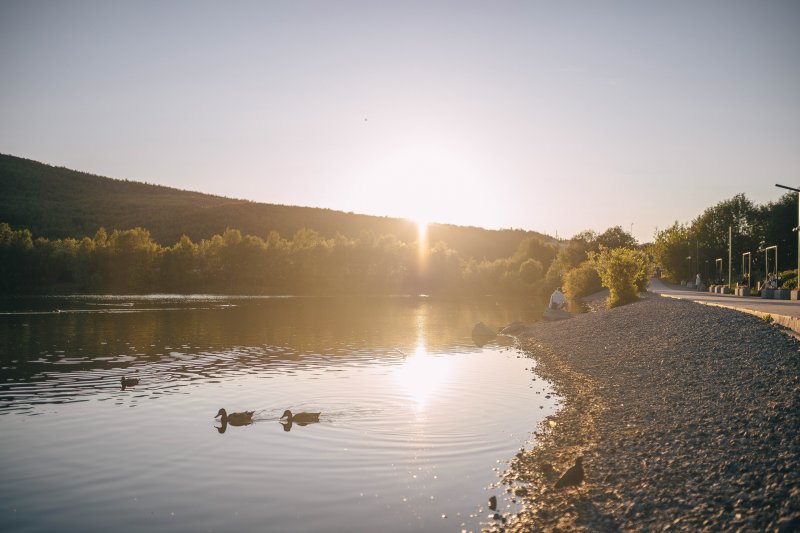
x,y
787,279
624,271
582,281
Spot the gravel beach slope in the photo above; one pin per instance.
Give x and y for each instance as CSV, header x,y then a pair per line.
x,y
687,417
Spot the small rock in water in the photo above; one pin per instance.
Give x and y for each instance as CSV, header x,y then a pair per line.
x,y
493,503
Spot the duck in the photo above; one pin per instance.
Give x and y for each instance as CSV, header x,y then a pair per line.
x,y
128,382
300,418
573,476
235,419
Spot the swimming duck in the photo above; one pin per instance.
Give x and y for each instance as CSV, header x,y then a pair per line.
x,y
573,476
128,382
235,419
300,418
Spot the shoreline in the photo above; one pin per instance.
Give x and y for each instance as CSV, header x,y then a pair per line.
x,y
687,417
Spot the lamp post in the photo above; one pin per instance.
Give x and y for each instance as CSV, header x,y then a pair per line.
x,y
796,228
730,251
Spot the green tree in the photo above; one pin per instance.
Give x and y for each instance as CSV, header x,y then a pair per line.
x,y
615,237
179,268
708,235
16,258
670,250
775,226
132,257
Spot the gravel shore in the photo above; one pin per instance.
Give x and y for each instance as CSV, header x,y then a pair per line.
x,y
687,417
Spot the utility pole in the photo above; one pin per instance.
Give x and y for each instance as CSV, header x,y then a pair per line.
x,y
797,229
730,254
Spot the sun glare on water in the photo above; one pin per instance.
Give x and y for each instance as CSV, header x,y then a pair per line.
x,y
423,375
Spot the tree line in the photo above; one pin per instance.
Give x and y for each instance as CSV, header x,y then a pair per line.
x,y
684,250
130,261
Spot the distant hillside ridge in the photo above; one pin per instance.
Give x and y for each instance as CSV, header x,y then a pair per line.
x,y
57,202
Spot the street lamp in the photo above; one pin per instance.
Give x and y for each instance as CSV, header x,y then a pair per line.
x,y
796,228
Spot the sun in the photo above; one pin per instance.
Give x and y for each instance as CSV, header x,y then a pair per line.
x,y
422,230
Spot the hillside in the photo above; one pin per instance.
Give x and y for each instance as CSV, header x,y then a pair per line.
x,y
56,202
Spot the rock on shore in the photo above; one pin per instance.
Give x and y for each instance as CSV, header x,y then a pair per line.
x,y
687,417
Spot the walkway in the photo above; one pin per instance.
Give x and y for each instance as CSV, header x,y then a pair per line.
x,y
783,312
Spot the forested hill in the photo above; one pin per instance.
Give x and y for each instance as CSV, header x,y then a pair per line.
x,y
56,202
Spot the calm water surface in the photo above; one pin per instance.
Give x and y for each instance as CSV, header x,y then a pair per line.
x,y
417,421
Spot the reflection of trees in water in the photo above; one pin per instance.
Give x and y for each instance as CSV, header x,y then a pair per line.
x,y
97,348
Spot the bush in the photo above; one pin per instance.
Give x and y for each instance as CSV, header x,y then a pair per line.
x,y
582,281
624,271
787,279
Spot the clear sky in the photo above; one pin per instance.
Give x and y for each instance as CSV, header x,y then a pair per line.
x,y
550,116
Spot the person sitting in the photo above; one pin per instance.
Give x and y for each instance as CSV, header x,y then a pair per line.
x,y
558,300
772,281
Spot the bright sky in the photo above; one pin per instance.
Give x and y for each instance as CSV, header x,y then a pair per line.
x,y
549,116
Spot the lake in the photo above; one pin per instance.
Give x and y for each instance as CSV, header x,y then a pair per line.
x,y
418,422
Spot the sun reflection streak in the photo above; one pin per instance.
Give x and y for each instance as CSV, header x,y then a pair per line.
x,y
423,375
422,245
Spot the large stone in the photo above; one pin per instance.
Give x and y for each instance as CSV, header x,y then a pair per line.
x,y
513,329
556,314
768,293
726,290
782,294
742,291
481,334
